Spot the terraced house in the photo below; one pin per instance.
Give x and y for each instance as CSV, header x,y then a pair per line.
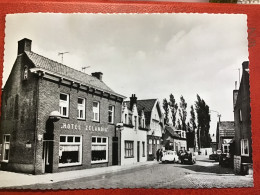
x,y
55,118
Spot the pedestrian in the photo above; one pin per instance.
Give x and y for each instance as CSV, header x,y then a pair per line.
x,y
158,155
161,154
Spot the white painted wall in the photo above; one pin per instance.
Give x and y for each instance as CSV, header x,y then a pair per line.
x,y
133,135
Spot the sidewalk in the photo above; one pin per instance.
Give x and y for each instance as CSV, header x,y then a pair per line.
x,y
9,179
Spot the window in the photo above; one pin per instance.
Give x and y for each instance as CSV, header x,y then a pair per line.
x,y
111,111
64,105
25,73
240,116
143,123
135,122
125,118
150,146
129,149
6,148
99,149
244,147
95,111
70,150
143,144
81,108
225,148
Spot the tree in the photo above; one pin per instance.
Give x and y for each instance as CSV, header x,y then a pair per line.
x,y
174,108
203,121
166,111
191,127
183,113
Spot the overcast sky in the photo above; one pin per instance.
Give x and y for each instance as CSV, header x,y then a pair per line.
x,y
150,55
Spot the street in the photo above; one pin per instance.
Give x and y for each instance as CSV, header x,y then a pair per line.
x,y
204,174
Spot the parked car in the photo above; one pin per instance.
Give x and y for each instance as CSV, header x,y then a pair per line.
x,y
169,156
215,156
187,157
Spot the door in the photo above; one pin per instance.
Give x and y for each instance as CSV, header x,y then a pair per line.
x,y
47,157
138,151
115,151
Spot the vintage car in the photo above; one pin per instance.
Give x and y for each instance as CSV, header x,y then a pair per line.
x,y
215,156
187,157
169,156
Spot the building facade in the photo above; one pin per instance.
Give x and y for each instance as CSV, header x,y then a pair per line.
x,y
133,134
55,118
242,117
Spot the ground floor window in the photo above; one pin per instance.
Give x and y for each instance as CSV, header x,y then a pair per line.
x,y
150,147
99,149
70,150
129,149
225,148
244,147
6,148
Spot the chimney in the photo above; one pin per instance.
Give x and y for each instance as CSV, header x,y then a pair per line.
x,y
133,100
98,75
245,65
24,45
235,92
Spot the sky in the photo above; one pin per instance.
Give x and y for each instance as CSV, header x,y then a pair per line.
x,y
150,55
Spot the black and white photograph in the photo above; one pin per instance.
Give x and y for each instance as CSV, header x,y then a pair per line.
x,y
125,101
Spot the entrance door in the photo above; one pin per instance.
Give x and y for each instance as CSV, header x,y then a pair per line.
x,y
47,157
115,151
138,151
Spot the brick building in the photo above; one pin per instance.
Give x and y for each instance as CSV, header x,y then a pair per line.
x,y
55,118
242,118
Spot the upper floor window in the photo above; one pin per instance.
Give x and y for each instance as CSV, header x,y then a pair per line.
x,y
135,122
111,111
64,105
244,147
95,111
81,108
25,73
143,122
240,116
6,148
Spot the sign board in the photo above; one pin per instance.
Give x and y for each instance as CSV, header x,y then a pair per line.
x,y
237,164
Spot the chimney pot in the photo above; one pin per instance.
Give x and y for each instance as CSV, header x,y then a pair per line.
x,y
98,75
24,45
133,100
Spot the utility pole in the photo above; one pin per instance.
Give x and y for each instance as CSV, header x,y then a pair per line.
x,y
62,53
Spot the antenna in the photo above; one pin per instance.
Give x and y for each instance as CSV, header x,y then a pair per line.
x,y
84,68
62,53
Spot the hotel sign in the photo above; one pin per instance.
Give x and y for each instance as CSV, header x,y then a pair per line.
x,y
71,126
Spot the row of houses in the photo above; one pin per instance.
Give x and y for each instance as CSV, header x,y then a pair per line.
x,y
235,137
55,118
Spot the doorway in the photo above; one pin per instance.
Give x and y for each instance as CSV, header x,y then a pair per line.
x,y
47,157
115,151
138,151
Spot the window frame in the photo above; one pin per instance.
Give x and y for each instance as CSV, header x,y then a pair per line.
x,y
98,113
4,147
150,146
68,105
113,114
66,143
100,144
131,149
242,142
143,144
84,109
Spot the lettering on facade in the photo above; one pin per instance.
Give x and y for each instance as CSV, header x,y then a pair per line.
x,y
71,126
237,164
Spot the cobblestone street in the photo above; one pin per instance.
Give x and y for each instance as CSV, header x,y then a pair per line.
x,y
204,174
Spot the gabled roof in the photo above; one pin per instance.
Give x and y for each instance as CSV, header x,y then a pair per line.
x,y
147,106
55,67
226,125
170,130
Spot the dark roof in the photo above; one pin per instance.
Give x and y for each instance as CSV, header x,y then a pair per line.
x,y
147,106
171,131
55,67
226,125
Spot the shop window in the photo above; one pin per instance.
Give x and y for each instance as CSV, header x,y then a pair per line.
x,y
99,149
129,149
81,108
111,111
70,150
150,147
6,148
64,105
143,144
96,111
244,147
